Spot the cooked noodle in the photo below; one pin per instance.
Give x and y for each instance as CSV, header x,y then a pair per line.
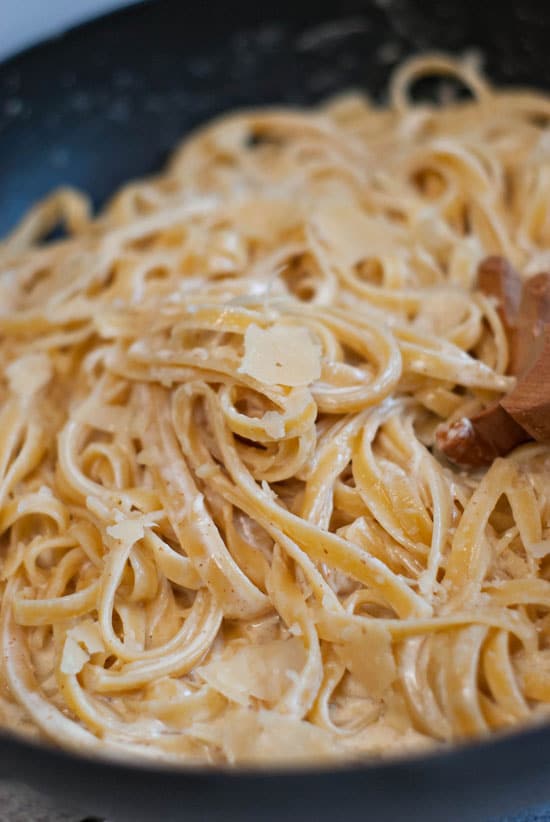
x,y
226,536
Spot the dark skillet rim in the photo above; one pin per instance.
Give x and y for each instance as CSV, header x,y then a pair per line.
x,y
500,742
506,743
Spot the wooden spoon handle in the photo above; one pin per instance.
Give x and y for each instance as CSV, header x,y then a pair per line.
x,y
524,413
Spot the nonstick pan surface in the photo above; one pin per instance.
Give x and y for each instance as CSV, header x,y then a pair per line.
x,y
105,103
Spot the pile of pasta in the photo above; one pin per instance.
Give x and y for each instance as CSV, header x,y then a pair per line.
x,y
226,535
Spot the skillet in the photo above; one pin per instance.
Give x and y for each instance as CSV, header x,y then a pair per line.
x,y
104,103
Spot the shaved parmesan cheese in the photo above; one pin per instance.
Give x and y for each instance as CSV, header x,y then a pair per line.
x,y
262,671
269,737
28,374
88,634
369,658
274,425
129,531
73,657
351,236
281,355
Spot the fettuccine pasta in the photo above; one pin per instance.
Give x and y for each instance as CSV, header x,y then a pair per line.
x,y
226,534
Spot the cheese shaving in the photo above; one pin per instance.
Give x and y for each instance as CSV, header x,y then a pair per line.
x,y
260,671
274,425
73,658
88,634
370,659
261,737
28,374
281,355
350,235
128,531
